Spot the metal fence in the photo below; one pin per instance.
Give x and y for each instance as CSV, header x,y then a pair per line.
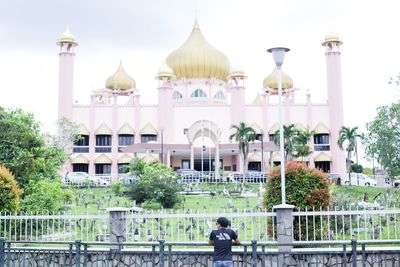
x,y
333,224
350,253
233,177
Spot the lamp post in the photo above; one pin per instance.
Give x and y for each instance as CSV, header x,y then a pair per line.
x,y
278,54
262,150
162,146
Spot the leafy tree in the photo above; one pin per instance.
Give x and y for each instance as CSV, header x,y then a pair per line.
x,y
357,168
382,140
10,191
44,196
243,134
349,136
23,149
155,182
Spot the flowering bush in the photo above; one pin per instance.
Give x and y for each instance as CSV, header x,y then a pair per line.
x,y
10,191
305,187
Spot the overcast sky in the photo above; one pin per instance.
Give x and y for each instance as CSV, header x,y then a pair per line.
x,y
143,33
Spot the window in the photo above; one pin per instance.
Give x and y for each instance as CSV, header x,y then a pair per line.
x,y
323,165
321,142
125,139
81,145
176,95
103,168
103,143
145,138
198,93
219,96
271,137
79,167
258,137
123,167
82,141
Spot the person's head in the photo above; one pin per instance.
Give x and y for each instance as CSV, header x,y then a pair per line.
x,y
223,222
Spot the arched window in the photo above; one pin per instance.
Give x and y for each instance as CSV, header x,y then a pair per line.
x,y
176,95
219,95
198,93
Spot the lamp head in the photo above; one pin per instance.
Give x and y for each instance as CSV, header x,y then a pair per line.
x,y
278,54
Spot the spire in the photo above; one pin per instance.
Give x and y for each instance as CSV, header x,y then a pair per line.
x,y
196,24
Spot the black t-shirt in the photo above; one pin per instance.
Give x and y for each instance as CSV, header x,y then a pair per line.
x,y
223,243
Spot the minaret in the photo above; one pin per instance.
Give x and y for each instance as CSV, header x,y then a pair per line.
x,y
237,92
165,76
66,74
335,101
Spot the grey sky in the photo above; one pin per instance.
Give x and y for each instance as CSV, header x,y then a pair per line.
x,y
143,33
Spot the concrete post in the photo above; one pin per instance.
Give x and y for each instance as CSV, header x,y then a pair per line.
x,y
117,225
284,221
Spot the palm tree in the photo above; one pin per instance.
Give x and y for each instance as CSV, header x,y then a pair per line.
x,y
289,134
243,134
348,135
301,147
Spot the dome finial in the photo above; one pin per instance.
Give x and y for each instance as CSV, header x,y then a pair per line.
x,y
67,37
196,24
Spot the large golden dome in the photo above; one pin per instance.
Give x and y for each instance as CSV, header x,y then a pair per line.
x,y
272,80
196,58
120,80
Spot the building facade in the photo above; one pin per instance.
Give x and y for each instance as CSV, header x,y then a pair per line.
x,y
200,96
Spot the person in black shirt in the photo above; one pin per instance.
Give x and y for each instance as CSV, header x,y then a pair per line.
x,y
222,239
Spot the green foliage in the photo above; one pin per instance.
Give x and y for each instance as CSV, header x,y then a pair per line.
x,y
295,142
156,182
118,188
305,187
23,149
382,140
357,168
243,134
368,171
44,196
349,137
9,191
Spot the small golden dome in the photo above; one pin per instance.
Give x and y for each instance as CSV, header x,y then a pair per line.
x,y
236,71
272,80
165,71
67,37
120,80
332,38
196,58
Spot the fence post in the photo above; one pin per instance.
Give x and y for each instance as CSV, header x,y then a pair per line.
x,y
354,252
117,226
284,226
162,253
2,241
254,253
78,253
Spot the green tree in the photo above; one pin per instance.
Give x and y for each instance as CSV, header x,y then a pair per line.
x,y
243,134
357,168
23,149
348,136
155,182
382,139
10,191
301,147
44,196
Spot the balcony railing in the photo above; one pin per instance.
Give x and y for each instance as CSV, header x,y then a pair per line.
x,y
80,149
102,149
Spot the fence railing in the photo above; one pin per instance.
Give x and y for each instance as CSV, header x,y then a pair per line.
x,y
162,253
233,177
334,224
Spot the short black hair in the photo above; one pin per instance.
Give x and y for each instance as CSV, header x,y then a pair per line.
x,y
224,222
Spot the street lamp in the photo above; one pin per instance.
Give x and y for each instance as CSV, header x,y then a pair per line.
x,y
278,54
262,150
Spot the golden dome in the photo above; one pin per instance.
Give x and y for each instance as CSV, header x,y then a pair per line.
x,y
67,37
196,58
165,71
272,80
120,80
332,38
236,72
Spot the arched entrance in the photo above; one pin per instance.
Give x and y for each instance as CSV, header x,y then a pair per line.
x,y
208,129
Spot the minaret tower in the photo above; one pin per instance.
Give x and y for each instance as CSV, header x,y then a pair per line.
x,y
237,91
67,44
335,100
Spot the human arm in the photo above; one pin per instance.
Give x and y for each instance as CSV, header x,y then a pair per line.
x,y
236,241
211,239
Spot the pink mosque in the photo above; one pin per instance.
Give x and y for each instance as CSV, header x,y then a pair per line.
x,y
199,97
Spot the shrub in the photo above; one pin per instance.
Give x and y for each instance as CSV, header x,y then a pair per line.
x,y
43,196
118,188
305,187
10,191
